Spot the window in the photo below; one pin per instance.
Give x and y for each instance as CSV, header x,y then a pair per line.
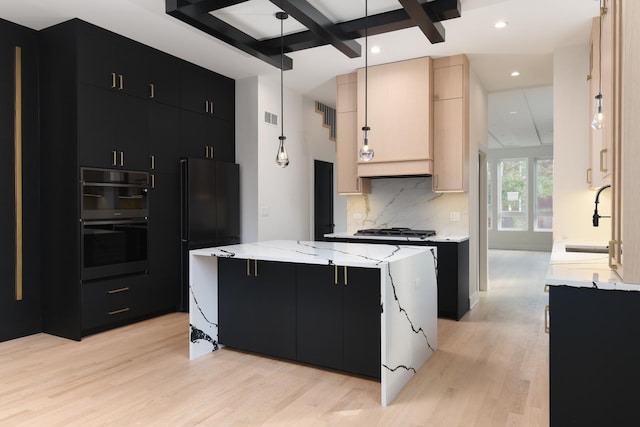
x,y
543,204
512,191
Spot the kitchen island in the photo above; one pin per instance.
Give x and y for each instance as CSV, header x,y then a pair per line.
x,y
403,285
593,341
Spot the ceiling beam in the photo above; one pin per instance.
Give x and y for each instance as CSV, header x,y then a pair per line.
x,y
320,25
200,18
210,5
433,30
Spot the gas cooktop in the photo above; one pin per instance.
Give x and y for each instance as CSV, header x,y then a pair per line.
x,y
395,232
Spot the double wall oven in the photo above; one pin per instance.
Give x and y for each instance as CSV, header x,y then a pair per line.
x,y
114,217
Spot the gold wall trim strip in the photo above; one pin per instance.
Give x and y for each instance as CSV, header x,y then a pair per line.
x,y
18,170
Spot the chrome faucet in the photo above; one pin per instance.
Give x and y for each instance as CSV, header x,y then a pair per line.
x,y
596,217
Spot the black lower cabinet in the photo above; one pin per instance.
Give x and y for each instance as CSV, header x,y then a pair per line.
x,y
256,308
339,318
323,315
113,302
593,357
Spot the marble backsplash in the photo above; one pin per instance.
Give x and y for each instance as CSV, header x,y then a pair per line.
x,y
408,202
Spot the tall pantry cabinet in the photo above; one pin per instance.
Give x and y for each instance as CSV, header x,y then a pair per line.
x,y
19,182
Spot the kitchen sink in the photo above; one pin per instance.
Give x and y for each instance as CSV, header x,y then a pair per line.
x,y
594,249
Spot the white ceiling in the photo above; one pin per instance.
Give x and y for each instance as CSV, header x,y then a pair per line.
x,y
535,30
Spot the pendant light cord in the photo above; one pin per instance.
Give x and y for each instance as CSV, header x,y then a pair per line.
x,y
282,77
366,62
600,50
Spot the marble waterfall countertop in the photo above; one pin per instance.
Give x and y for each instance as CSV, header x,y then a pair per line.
x,y
583,269
436,238
408,297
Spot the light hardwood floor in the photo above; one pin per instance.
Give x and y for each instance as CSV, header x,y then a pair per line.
x,y
491,369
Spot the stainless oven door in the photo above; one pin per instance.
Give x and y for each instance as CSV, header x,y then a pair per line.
x,y
113,248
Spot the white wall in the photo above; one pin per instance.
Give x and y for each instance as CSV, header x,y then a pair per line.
x,y
573,201
321,147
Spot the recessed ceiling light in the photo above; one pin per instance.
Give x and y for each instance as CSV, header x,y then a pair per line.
x,y
513,112
515,73
375,49
500,24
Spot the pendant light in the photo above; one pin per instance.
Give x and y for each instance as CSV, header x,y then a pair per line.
x,y
366,152
282,158
598,117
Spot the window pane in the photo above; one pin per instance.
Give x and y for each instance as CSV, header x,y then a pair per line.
x,y
544,195
512,188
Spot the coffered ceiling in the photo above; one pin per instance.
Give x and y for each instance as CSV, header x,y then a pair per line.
x,y
536,29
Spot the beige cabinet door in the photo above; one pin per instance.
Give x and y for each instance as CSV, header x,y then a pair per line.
x,y
347,138
448,145
448,82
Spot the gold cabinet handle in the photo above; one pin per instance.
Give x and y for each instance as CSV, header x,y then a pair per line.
x,y
546,289
210,152
153,181
206,151
248,267
345,276
546,318
122,158
152,90
18,180
122,310
255,268
206,106
117,291
435,181
113,80
120,82
153,162
612,262
115,158
211,110
589,177
335,274
603,161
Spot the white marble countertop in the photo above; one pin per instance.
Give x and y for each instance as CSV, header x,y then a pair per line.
x,y
437,238
583,269
349,254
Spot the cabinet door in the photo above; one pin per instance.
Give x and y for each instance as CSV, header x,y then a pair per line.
x,y
193,89
163,78
319,315
361,326
221,139
221,92
164,138
112,129
274,289
164,243
236,317
113,302
448,145
448,82
97,133
193,135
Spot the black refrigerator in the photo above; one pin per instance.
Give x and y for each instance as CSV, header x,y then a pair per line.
x,y
210,213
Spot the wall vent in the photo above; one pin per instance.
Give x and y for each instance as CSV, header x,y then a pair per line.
x,y
271,118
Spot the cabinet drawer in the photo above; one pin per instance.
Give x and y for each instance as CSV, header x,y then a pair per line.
x,y
113,300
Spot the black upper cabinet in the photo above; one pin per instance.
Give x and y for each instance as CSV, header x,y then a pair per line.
x,y
208,93
164,138
163,75
112,129
111,62
206,137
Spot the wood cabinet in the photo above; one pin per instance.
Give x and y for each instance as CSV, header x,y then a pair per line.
x,y
257,306
347,133
400,117
450,124
20,287
593,357
338,318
